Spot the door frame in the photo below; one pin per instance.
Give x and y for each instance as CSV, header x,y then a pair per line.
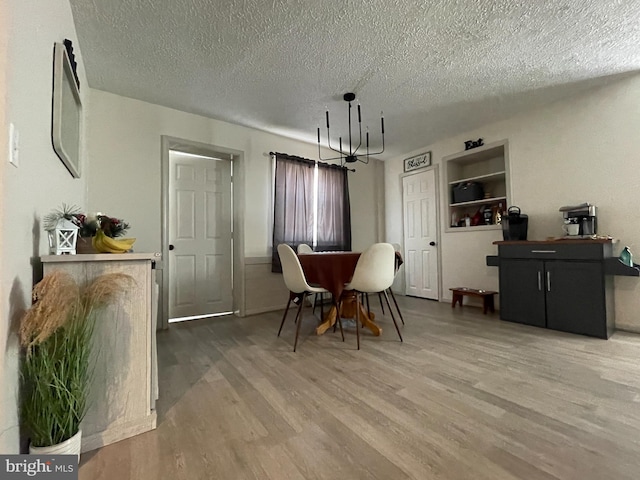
x,y
238,176
436,174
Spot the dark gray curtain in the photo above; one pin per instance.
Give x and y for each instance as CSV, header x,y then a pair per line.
x,y
334,209
293,204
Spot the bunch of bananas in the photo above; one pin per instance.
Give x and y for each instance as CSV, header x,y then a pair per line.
x,y
104,244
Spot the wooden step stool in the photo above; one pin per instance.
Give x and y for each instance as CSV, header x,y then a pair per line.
x,y
486,295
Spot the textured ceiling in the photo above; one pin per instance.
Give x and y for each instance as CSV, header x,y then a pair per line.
x,y
435,68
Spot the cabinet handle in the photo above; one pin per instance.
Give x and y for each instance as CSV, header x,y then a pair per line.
x,y
543,251
539,281
548,281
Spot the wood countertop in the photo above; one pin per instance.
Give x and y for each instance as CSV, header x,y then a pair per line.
x,y
100,257
556,241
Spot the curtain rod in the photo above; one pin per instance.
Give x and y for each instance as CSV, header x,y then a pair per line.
x,y
302,159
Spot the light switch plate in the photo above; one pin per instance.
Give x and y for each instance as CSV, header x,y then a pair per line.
x,y
14,142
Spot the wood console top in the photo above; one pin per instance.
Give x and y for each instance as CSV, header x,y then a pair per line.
x,y
556,241
100,257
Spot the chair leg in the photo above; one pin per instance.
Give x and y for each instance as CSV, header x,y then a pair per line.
x,y
315,303
298,321
285,315
381,305
339,320
393,297
358,321
300,297
386,296
366,295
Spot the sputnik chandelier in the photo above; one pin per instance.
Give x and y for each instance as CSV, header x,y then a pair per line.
x,y
351,155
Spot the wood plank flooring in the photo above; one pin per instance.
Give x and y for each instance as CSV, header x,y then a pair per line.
x,y
466,396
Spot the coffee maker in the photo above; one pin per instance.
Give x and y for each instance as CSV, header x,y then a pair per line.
x,y
584,216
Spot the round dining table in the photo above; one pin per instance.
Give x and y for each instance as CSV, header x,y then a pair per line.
x,y
332,271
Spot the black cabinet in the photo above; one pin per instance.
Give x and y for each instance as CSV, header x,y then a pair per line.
x,y
562,287
575,296
521,295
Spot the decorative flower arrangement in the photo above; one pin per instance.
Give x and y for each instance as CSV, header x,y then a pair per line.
x,y
87,223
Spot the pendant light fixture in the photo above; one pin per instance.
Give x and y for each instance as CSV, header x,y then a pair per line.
x,y
351,155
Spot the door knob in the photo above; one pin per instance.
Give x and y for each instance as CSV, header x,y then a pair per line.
x,y
433,244
171,247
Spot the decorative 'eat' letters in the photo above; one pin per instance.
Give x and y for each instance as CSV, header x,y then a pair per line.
x,y
469,144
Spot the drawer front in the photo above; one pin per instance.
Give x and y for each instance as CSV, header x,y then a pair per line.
x,y
582,251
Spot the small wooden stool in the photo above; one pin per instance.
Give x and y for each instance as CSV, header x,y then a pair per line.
x,y
487,297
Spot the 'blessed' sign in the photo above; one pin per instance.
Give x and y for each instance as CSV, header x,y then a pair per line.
x,y
419,161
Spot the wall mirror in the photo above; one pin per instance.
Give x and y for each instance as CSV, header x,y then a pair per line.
x,y
66,112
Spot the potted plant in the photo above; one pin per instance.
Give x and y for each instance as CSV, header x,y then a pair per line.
x,y
56,371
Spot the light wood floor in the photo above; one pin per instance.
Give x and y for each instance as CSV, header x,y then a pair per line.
x,y
466,396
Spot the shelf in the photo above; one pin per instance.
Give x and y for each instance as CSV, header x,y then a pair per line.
x,y
477,228
479,202
493,261
613,266
479,154
489,176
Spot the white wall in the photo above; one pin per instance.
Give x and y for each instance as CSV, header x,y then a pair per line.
x,y
125,178
582,149
40,184
8,434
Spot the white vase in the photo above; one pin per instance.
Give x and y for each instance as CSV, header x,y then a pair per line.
x,y
68,447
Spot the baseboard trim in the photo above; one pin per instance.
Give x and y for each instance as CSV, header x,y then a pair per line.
x,y
119,432
256,311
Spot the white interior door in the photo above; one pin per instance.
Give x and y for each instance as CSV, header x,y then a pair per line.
x,y
420,234
200,236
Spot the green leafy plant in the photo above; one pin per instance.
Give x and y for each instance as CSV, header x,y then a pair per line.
x,y
56,334
65,211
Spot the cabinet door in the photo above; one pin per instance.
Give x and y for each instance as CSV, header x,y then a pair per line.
x,y
576,297
522,292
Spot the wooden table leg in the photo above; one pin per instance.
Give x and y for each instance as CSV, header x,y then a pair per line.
x,y
456,298
328,321
487,304
347,310
367,321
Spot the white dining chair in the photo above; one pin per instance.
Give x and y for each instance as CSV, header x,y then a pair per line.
x,y
306,249
397,248
374,273
296,282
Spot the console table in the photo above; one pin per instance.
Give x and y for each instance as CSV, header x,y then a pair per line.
x,y
559,284
125,385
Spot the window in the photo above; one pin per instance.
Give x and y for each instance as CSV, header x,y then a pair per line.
x,y
311,205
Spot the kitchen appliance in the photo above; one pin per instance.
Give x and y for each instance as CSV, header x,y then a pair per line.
x,y
514,224
584,215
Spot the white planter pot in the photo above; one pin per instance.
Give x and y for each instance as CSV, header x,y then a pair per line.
x,y
68,447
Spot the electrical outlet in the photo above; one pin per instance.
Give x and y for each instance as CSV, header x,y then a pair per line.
x,y
14,140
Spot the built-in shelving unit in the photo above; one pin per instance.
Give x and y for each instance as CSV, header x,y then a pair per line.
x,y
484,167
